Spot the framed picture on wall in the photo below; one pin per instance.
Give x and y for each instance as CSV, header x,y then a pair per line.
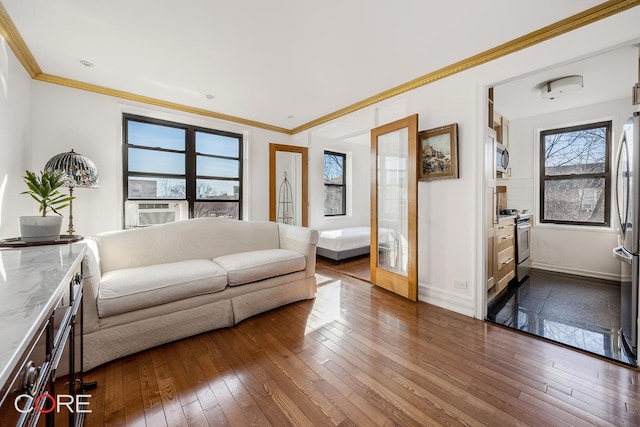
x,y
438,153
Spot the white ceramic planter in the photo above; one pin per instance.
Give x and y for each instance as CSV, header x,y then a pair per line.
x,y
40,228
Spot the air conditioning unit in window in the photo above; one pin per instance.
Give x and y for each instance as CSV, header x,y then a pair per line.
x,y
143,213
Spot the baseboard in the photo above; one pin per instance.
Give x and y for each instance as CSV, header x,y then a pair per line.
x,y
576,271
447,300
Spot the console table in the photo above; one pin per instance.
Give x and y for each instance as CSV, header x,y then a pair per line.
x,y
40,308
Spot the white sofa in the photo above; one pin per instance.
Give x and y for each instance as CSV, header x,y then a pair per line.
x,y
149,286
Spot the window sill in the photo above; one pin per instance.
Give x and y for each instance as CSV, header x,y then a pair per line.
x,y
578,228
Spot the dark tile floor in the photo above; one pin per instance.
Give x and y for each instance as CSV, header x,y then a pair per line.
x,y
573,310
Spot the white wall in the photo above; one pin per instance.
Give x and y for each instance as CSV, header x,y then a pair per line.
x,y
358,179
91,124
15,141
575,250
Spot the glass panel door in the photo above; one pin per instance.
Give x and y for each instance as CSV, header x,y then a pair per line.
x,y
394,207
393,221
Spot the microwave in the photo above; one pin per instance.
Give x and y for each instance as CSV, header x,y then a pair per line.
x,y
502,158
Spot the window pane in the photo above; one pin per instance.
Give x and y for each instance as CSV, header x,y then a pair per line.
x,y
141,160
333,168
212,166
217,189
218,145
156,188
575,152
333,200
579,199
156,136
217,209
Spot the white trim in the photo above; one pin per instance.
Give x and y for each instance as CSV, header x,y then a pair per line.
x,y
576,271
448,300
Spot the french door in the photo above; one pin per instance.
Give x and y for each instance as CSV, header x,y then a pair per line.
x,y
394,194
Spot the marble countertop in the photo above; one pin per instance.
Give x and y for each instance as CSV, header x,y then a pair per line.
x,y
32,280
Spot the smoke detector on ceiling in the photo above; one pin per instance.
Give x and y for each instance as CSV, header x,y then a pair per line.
x,y
561,87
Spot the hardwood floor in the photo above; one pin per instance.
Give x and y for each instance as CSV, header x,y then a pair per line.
x,y
357,356
357,267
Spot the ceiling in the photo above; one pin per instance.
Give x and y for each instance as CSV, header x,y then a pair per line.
x,y
283,63
607,76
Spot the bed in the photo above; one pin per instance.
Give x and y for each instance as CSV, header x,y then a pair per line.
x,y
343,243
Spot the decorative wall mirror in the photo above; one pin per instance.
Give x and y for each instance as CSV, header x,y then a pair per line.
x,y
288,196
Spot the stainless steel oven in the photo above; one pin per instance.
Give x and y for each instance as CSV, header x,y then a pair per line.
x,y
523,241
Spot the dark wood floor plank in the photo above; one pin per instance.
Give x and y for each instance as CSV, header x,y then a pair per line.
x,y
243,357
186,351
114,397
148,382
358,355
241,395
97,399
195,415
133,409
363,412
169,393
228,405
321,411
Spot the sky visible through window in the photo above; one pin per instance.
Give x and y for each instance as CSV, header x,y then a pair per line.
x,y
159,156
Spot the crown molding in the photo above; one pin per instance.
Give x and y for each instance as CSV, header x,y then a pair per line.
x,y
9,32
566,25
62,81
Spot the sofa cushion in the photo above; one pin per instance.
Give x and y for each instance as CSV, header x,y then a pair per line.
x,y
247,267
129,289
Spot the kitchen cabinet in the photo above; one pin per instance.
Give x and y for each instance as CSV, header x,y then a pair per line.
x,y
491,206
505,247
504,256
501,127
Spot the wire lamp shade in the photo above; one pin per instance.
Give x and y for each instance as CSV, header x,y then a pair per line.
x,y
78,171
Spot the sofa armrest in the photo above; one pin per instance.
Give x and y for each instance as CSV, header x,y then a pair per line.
x,y
300,239
92,276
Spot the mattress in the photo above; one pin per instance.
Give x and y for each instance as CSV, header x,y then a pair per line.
x,y
344,239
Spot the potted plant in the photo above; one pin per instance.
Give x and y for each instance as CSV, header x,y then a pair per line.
x,y
44,190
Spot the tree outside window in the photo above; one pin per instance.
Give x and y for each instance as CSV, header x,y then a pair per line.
x,y
335,188
172,161
575,175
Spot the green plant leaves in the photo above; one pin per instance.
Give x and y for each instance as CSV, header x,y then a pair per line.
x,y
44,190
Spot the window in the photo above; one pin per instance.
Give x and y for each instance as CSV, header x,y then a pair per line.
x,y
335,184
172,161
575,175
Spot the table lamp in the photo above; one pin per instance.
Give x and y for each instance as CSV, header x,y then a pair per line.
x,y
78,171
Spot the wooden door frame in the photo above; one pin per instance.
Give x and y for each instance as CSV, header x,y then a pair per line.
x,y
381,277
273,149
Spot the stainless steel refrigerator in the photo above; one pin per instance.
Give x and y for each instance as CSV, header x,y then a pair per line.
x,y
627,194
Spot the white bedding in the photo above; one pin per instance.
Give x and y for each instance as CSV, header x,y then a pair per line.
x,y
344,238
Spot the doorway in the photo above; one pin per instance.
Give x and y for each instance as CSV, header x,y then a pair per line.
x,y
573,260
288,188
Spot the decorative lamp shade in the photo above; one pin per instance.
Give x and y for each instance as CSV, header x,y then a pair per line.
x,y
79,171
